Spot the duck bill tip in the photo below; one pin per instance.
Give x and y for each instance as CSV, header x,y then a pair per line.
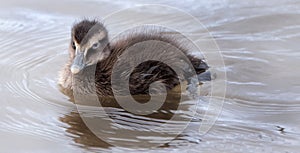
x,y
75,69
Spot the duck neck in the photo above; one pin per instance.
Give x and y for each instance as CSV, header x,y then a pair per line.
x,y
84,81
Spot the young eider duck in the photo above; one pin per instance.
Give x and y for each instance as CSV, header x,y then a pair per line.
x,y
90,48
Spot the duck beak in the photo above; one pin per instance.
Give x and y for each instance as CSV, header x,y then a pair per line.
x,y
205,76
202,66
78,63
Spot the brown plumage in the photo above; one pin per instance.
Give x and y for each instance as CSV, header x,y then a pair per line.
x,y
92,57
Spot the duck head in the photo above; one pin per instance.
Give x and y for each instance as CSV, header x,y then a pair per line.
x,y
89,44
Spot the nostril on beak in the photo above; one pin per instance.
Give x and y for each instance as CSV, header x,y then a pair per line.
x,y
75,69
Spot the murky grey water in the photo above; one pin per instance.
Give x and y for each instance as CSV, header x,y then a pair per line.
x,y
259,42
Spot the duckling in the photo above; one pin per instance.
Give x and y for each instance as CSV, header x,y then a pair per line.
x,y
92,57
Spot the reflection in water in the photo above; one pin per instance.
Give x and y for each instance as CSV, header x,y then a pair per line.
x,y
129,123
83,136
80,132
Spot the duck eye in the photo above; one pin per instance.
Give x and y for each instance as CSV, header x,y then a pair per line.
x,y
96,45
73,45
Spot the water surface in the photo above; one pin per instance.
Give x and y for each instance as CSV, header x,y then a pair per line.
x,y
260,46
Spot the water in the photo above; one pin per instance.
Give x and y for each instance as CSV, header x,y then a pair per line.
x,y
258,40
